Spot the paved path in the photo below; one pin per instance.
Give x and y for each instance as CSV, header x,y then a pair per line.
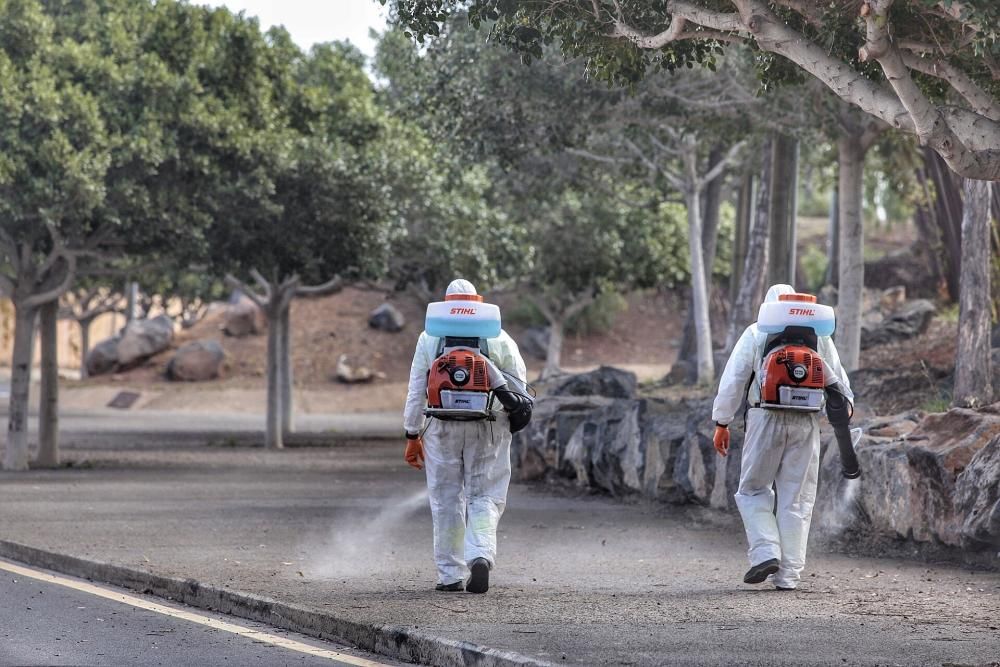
x,y
125,429
55,620
580,580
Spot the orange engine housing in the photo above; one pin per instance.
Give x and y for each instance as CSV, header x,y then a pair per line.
x,y
462,370
790,366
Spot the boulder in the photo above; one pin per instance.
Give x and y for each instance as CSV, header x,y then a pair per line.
x,y
386,318
604,381
349,374
936,484
243,318
103,357
656,448
977,499
908,321
142,339
196,361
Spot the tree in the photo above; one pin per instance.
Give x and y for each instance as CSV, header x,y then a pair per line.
x,y
85,303
754,273
315,212
119,126
584,243
898,70
54,144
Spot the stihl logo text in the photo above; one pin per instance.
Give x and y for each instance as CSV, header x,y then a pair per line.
x,y
463,311
801,311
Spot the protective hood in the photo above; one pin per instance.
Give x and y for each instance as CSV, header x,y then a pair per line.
x,y
777,290
460,286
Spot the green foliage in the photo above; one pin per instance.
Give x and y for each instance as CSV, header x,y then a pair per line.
x,y
523,312
814,262
599,317
891,189
724,246
938,403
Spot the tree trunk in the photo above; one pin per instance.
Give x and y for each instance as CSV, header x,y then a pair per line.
x,y
712,201
132,301
755,267
973,373
784,169
553,354
939,219
15,456
833,241
274,432
850,293
744,216
710,212
48,408
285,370
85,325
699,292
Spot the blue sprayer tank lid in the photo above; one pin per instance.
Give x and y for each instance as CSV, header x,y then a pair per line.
x,y
462,319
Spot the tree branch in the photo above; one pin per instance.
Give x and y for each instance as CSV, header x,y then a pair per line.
x,y
606,159
930,125
235,283
578,305
41,298
331,286
262,282
981,101
725,162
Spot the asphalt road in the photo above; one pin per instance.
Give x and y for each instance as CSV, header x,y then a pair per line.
x,y
46,623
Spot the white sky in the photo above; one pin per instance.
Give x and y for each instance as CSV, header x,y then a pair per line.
x,y
312,21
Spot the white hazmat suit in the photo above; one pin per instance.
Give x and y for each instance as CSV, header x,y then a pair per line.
x,y
780,453
467,463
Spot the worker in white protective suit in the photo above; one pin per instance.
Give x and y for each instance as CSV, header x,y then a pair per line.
x,y
780,453
467,464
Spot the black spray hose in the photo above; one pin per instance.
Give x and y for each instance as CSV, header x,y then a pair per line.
x,y
838,410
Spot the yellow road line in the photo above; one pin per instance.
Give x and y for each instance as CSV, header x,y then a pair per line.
x,y
256,635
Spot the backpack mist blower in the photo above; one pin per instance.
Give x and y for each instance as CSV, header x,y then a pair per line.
x,y
794,376
463,382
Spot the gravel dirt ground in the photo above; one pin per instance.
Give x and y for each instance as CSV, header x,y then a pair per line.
x,y
580,579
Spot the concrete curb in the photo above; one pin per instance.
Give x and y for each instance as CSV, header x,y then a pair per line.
x,y
393,641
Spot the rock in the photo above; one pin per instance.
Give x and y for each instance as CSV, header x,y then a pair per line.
x,y
604,381
908,321
355,375
244,318
534,342
995,337
892,299
103,357
657,448
196,361
977,499
931,485
995,364
891,390
679,373
142,339
386,318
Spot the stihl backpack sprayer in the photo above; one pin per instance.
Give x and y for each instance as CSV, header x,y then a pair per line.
x,y
463,382
793,375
